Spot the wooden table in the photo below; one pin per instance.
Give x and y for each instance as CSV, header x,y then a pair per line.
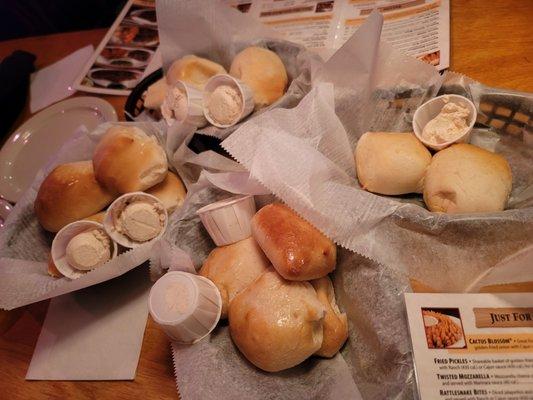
x,y
491,43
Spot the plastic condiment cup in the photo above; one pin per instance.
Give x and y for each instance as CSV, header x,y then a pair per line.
x,y
247,97
228,221
61,241
186,306
115,209
430,109
194,114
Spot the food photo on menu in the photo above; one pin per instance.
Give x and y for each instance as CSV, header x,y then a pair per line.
x,y
266,200
125,52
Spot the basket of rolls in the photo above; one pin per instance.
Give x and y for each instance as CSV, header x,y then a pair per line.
x,y
92,214
217,80
263,302
404,182
217,99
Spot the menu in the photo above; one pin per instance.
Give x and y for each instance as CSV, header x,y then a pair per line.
x,y
420,28
124,54
472,346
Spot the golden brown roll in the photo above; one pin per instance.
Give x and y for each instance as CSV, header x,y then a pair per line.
x,y
233,267
171,192
296,249
335,323
52,269
69,193
155,94
276,323
128,160
98,217
421,287
193,70
467,179
391,163
263,71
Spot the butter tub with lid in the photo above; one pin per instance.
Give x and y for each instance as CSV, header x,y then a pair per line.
x,y
228,221
186,306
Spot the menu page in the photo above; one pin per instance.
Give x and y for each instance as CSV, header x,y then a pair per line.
x,y
124,54
419,28
472,346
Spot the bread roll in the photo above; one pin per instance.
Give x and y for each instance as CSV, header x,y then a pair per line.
x,y
155,94
275,323
391,163
232,268
296,249
171,192
335,323
421,287
69,193
467,179
128,160
52,269
263,71
193,70
98,217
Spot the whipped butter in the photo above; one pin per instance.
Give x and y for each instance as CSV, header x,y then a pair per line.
x,y
225,105
140,221
448,125
89,250
176,105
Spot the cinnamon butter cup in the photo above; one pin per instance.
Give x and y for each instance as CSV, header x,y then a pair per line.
x,y
63,238
131,224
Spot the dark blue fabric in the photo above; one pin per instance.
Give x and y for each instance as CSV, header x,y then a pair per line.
x,y
15,73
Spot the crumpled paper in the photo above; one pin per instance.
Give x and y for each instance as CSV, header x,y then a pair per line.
x,y
218,32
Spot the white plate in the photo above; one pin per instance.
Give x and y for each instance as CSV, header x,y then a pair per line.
x,y
32,144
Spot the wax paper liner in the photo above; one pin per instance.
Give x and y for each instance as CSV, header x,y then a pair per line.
x,y
218,32
214,369
25,246
302,156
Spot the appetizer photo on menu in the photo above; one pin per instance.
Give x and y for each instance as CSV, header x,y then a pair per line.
x,y
266,199
125,52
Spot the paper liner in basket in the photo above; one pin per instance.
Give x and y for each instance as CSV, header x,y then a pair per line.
x,y
218,32
25,246
225,375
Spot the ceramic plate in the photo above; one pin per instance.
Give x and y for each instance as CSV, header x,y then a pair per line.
x,y
32,144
